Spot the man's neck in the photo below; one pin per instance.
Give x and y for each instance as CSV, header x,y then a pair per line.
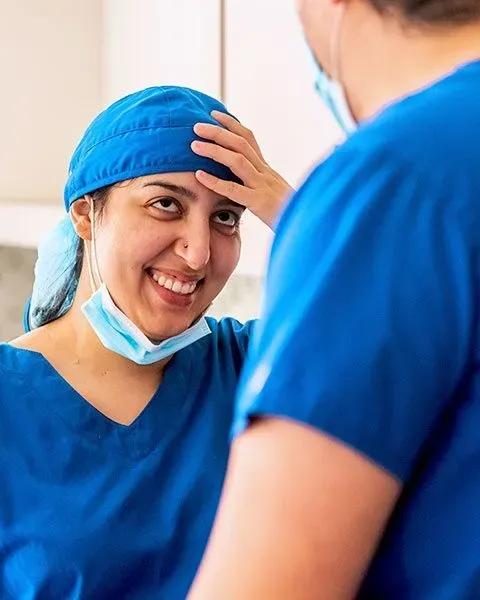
x,y
409,61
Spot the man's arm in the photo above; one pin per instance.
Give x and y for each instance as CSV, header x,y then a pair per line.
x,y
298,504
365,339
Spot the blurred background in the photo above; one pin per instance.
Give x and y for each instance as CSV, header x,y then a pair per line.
x,y
62,61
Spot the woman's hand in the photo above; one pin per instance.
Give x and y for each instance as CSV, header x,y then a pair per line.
x,y
263,191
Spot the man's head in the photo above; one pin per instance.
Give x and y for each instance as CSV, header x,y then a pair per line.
x,y
381,49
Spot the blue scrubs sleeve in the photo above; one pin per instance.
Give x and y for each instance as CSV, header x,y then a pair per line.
x,y
368,313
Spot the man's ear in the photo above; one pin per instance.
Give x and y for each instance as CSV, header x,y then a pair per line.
x,y
80,215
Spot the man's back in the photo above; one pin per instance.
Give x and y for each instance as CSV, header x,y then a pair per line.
x,y
381,348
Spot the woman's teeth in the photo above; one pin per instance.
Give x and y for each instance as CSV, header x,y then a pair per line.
x,y
174,285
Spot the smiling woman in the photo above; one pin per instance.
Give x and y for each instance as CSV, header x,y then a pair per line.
x,y
126,386
170,232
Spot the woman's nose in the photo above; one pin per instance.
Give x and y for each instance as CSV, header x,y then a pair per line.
x,y
194,245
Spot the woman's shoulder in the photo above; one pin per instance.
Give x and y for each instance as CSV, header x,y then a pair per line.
x,y
214,364
231,326
17,364
229,340
229,330
18,355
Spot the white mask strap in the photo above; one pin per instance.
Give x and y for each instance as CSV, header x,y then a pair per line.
x,y
92,260
335,44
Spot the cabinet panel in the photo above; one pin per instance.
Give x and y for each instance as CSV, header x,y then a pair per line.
x,y
50,66
161,42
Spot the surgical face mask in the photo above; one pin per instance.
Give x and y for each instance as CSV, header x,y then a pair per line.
x,y
118,333
330,89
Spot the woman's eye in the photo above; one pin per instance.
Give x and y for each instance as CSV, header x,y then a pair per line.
x,y
227,218
167,205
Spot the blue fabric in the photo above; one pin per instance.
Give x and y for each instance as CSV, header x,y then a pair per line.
x,y
371,331
26,316
55,282
145,133
91,509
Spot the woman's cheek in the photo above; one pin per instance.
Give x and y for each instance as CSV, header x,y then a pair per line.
x,y
229,254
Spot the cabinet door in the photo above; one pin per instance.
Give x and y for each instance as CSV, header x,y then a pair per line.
x,y
269,84
161,42
50,66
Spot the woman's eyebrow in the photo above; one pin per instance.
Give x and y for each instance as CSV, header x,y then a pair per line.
x,y
173,187
188,193
227,203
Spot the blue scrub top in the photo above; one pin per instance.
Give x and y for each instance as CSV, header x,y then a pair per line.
x,y
372,333
93,509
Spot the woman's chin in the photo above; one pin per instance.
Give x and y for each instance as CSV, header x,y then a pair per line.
x,y
164,324
161,333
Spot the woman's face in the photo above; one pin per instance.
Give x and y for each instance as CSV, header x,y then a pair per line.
x,y
166,247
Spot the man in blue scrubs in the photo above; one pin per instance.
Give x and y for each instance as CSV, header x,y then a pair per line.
x,y
355,472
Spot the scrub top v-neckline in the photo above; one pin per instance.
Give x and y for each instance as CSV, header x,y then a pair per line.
x,y
152,429
94,509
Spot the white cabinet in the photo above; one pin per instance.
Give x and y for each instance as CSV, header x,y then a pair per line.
x,y
161,42
50,69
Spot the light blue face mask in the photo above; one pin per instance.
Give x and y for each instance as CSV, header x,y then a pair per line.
x,y
333,95
330,90
118,333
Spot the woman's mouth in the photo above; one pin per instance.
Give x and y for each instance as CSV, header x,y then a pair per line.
x,y
174,285
174,291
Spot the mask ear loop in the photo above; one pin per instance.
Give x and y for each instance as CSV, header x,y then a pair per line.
x,y
335,44
92,260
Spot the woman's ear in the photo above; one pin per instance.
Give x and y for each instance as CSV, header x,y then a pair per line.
x,y
80,215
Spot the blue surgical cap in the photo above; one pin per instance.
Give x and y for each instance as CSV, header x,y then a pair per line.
x,y
145,133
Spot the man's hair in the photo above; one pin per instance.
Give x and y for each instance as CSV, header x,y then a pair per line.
x,y
432,12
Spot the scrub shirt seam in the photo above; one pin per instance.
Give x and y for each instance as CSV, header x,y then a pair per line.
x,y
127,131
169,110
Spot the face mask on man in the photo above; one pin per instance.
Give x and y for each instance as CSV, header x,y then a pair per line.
x,y
331,90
